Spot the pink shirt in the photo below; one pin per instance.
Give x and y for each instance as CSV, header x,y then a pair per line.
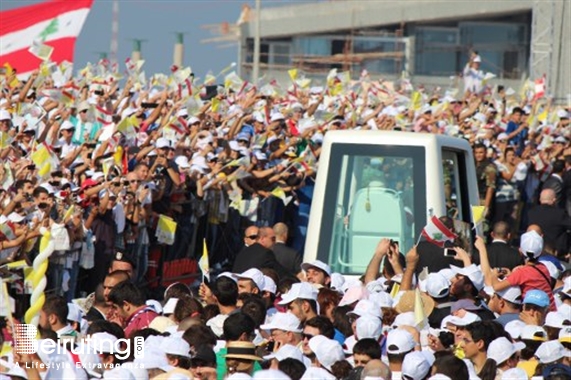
x,y
140,319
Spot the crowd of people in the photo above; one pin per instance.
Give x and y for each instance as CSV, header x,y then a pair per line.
x,y
116,170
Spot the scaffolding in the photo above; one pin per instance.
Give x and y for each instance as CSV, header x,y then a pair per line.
x,y
542,40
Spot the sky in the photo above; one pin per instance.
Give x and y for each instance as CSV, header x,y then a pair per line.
x,y
156,21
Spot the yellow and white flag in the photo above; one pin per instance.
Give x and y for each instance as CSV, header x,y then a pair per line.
x,y
166,230
203,262
478,214
420,318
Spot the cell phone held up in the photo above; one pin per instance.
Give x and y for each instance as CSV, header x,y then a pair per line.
x,y
449,252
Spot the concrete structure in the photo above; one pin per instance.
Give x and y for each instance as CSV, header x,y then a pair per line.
x,y
429,39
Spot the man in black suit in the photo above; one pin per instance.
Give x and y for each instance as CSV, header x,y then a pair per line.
x,y
500,253
555,183
288,257
99,309
259,255
554,221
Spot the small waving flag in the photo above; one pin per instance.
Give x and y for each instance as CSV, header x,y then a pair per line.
x,y
437,233
203,262
478,213
420,317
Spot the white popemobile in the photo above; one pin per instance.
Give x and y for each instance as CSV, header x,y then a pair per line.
x,y
380,184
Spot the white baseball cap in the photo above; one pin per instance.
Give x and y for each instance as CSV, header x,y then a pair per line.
x,y
317,264
417,364
162,143
369,327
367,307
192,120
337,281
183,112
383,299
565,334
283,321
447,273
473,272
118,373
66,125
399,341
302,290
531,243
555,319
327,351
74,313
511,294
266,374
277,116
175,346
103,342
551,351
269,285
515,374
284,352
255,275
155,305
404,319
234,145
437,286
439,376
501,349
5,115
153,357
460,321
14,217
514,328
182,162
315,373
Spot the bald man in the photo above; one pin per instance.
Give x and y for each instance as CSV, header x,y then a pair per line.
x,y
554,221
375,369
259,255
288,257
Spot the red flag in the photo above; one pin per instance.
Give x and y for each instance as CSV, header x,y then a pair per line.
x,y
437,233
56,23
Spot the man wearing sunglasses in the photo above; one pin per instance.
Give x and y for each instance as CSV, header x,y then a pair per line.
x,y
84,128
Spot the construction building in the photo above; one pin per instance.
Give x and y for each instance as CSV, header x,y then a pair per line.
x,y
430,40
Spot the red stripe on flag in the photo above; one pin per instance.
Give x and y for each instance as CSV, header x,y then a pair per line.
x,y
24,61
443,228
430,240
103,111
23,17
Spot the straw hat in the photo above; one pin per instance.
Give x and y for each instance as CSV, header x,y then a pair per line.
x,y
406,303
242,350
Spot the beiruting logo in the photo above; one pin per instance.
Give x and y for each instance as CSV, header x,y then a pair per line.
x,y
27,343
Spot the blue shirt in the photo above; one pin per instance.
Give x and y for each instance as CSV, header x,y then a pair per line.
x,y
519,139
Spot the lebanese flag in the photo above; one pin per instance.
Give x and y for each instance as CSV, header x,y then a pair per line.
x,y
437,233
540,87
55,23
